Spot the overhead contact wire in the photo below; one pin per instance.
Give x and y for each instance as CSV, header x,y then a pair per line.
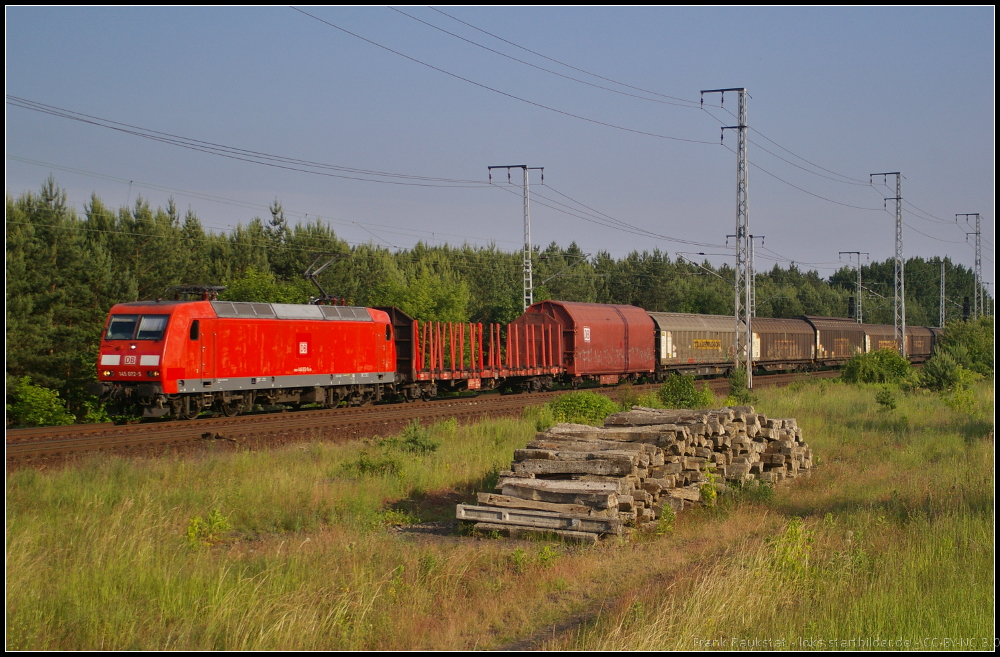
x,y
556,61
541,68
234,153
504,93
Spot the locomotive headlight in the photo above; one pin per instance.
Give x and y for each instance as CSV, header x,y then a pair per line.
x,y
153,373
131,346
106,373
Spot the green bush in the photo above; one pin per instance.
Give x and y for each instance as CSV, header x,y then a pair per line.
x,y
582,408
960,398
976,338
541,416
679,391
377,466
627,397
650,400
35,406
739,394
751,492
885,399
882,366
960,353
207,531
941,371
417,439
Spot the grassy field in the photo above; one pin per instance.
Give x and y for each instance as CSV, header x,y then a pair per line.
x,y
891,540
317,547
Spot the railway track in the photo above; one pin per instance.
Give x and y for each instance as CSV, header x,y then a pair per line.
x,y
48,445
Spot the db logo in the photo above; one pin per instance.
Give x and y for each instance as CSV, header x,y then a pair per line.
x,y
303,348
130,360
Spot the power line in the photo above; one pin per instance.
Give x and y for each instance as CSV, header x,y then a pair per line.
x,y
235,153
849,179
757,166
250,205
910,226
541,68
503,93
929,217
601,77
591,219
806,191
620,226
797,166
627,225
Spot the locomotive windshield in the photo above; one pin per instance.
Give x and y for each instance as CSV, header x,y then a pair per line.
x,y
151,327
135,327
122,327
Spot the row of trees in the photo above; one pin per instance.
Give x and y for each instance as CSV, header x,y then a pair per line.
x,y
65,271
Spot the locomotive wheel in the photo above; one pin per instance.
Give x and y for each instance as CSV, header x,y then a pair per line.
x,y
187,415
359,399
231,409
184,410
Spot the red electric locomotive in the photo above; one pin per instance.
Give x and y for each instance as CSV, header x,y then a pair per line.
x,y
181,358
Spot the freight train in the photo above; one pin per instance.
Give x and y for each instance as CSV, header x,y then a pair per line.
x,y
182,358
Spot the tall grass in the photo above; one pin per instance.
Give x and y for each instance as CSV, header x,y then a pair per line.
x,y
100,556
891,539
301,547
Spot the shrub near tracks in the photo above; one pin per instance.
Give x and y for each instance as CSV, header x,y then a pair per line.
x,y
882,366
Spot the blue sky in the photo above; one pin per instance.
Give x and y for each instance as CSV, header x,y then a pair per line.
x,y
839,92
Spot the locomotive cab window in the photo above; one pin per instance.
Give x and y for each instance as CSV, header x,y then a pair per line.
x,y
152,327
194,329
121,327
388,332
